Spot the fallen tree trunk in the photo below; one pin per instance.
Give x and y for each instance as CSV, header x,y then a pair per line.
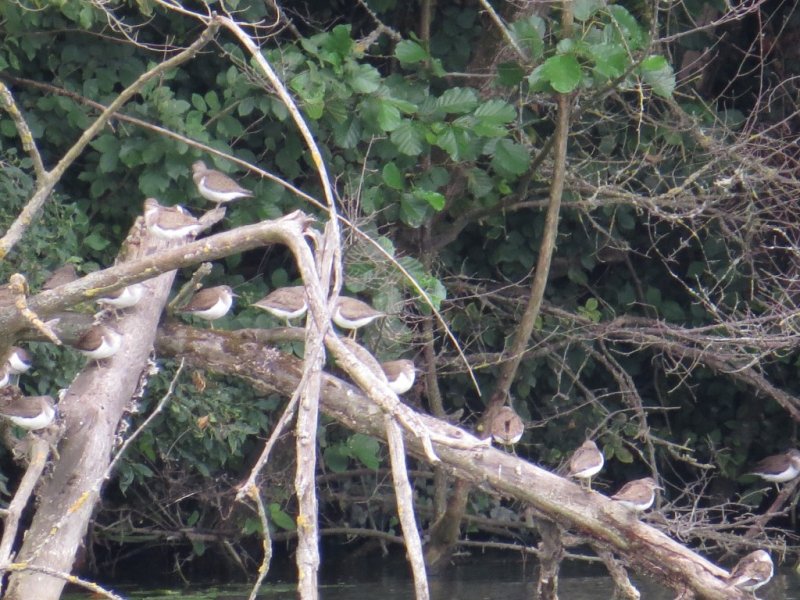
x,y
649,551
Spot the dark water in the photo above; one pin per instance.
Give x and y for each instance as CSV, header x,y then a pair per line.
x,y
480,579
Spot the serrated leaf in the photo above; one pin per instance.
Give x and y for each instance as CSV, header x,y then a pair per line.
x,y
392,176
389,117
363,78
479,183
510,157
408,139
562,71
496,112
457,100
410,52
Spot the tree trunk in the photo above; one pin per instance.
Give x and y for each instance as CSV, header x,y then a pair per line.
x,y
567,504
92,410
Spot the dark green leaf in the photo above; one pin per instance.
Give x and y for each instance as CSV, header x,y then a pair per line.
x,y
363,78
584,9
410,52
529,33
280,518
392,176
434,199
457,100
408,138
365,449
510,158
563,72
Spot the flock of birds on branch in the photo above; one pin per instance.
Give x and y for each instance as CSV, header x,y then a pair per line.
x,y
175,222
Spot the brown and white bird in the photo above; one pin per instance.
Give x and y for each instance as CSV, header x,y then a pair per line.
x,y
125,297
506,426
169,222
285,303
637,495
29,412
779,468
17,360
211,303
64,274
99,342
753,571
216,186
400,374
586,462
350,313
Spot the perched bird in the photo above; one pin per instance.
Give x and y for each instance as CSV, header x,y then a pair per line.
x,y
400,374
638,495
350,313
507,426
779,468
64,274
99,342
17,360
753,571
216,186
125,297
169,222
586,462
210,303
286,303
29,412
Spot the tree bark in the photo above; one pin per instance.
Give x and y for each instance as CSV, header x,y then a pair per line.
x,y
567,504
92,410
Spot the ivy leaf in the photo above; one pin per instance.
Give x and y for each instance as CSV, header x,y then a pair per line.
x,y
392,176
562,72
410,52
